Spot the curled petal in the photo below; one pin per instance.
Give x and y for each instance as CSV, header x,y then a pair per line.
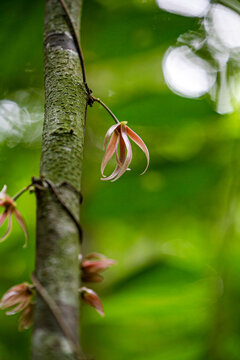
x,y
21,222
3,217
110,151
122,152
128,158
13,291
10,300
109,133
140,143
114,173
22,305
18,294
4,237
91,298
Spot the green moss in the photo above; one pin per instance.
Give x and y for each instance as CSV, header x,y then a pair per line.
x,y
57,264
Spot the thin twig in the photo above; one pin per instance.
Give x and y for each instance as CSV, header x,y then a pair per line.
x,y
72,216
15,197
105,107
57,315
80,53
77,44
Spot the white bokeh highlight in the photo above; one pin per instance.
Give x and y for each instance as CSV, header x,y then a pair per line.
x,y
17,124
192,8
187,74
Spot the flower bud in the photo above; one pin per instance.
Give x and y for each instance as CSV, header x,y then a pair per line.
x,y
91,298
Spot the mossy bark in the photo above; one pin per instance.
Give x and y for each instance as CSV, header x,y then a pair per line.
x,y
57,265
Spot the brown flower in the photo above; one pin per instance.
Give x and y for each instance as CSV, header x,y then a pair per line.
x,y
118,135
91,298
92,265
10,208
19,296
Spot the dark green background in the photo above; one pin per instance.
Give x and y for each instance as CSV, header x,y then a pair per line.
x,y
175,291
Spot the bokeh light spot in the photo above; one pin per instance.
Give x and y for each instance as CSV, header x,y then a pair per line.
x,y
186,73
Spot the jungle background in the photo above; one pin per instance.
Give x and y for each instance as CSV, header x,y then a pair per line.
x,y
174,293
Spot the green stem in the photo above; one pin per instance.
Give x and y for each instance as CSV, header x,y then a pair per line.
x,y
106,107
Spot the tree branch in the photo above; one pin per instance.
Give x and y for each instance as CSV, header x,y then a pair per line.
x,y
58,206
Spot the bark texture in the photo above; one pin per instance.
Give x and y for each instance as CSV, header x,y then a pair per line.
x,y
57,266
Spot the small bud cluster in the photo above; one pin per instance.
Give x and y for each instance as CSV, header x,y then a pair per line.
x,y
92,266
18,299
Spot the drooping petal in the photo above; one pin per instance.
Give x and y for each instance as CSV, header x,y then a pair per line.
x,y
26,318
128,148
109,133
3,217
110,151
91,298
21,222
9,215
120,159
114,173
122,152
140,143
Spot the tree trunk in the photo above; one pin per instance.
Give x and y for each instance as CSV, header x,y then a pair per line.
x,y
57,265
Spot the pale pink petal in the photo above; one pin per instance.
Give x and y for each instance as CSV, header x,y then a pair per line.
x,y
120,159
117,157
21,222
128,158
4,237
115,172
140,143
4,190
109,133
3,217
122,152
110,151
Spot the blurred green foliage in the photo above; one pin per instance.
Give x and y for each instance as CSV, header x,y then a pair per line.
x,y
174,293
